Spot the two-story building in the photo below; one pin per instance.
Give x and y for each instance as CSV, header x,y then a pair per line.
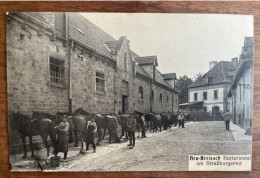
x,y
209,93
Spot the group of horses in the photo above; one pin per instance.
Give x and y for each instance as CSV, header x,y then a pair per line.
x,y
44,124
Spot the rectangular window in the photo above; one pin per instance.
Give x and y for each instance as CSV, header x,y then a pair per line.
x,y
161,98
215,94
100,82
152,96
167,99
205,95
205,109
125,88
57,71
195,96
141,93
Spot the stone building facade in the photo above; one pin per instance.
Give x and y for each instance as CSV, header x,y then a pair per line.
x,y
59,62
241,89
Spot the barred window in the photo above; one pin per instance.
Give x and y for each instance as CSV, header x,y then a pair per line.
x,y
100,82
141,93
57,71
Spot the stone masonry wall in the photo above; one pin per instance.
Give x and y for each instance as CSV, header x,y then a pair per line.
x,y
164,106
28,71
83,78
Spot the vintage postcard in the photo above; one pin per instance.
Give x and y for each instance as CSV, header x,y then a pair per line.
x,y
129,91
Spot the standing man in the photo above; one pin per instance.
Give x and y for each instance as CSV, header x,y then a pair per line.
x,y
227,117
143,125
131,123
63,137
91,128
180,118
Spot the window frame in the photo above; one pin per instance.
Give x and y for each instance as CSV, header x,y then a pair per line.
x,y
102,79
161,97
215,92
140,93
195,98
152,96
205,98
49,81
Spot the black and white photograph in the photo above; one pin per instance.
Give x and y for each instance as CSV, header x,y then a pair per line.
x,y
129,91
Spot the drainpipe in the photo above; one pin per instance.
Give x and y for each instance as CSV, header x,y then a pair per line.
x,y
70,71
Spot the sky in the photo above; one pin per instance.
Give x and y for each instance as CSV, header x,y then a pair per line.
x,y
183,43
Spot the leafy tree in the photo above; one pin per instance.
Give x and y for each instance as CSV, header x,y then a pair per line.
x,y
182,86
197,76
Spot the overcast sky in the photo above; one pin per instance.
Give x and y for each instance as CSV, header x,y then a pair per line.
x,y
183,43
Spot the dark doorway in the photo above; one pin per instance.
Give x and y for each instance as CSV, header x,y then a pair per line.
x,y
124,104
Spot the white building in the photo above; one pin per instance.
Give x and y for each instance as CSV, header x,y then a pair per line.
x,y
212,88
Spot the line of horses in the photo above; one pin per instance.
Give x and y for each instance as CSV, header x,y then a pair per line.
x,y
43,124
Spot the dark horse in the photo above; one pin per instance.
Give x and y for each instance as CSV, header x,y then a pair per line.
x,y
122,121
27,127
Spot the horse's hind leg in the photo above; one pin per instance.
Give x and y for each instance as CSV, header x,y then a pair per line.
x,y
44,138
77,139
104,134
24,146
31,145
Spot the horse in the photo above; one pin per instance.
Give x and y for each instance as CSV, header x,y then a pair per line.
x,y
122,121
100,122
139,122
56,119
112,125
149,120
157,122
28,127
166,120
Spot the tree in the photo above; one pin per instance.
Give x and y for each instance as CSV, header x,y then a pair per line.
x,y
182,86
197,76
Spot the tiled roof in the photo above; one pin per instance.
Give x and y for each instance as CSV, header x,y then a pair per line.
x,y
169,76
85,32
111,44
147,60
159,78
36,15
220,73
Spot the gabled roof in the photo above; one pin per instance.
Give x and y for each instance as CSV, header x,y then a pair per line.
x,y
220,73
159,78
169,76
147,60
85,32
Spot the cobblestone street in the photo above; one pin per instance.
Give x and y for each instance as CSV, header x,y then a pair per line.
x,y
166,150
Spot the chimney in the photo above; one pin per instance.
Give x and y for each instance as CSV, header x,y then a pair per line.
x,y
212,64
